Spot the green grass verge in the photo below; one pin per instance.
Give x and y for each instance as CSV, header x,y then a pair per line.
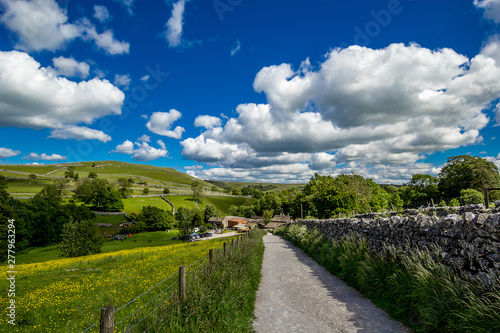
x,y
412,287
220,297
146,239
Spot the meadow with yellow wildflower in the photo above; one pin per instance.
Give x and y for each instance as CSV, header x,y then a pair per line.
x,y
66,295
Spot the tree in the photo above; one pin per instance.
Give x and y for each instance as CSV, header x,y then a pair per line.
x,y
471,196
92,174
99,193
145,191
464,172
125,187
32,176
267,215
166,190
210,211
236,191
70,172
80,238
197,189
156,219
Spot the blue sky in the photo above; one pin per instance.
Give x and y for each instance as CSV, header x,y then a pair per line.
x,y
251,90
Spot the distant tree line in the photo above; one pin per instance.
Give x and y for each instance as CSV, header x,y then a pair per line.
x,y
461,181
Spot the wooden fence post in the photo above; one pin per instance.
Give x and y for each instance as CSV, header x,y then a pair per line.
x,y
232,242
211,256
107,319
182,283
225,248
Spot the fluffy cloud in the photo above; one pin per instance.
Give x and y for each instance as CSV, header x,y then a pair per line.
x,y
42,25
39,24
173,34
142,151
122,80
491,9
105,41
69,67
144,138
207,121
7,152
161,122
44,157
360,108
34,97
101,13
79,133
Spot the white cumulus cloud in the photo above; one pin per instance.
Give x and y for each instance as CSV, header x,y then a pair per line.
x,y
38,24
69,67
491,9
79,133
173,34
34,97
7,152
360,108
141,151
161,123
44,157
122,80
207,121
42,25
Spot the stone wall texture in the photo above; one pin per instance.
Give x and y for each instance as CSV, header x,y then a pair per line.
x,y
468,236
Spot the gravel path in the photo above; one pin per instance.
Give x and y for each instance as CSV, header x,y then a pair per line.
x,y
298,295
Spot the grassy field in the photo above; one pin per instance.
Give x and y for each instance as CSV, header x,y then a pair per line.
x,y
222,203
146,239
27,186
66,295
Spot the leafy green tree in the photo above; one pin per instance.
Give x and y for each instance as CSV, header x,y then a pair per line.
x,y
464,172
100,194
267,215
395,201
236,191
145,191
471,196
32,176
210,211
156,219
166,190
125,187
92,174
80,238
197,189
70,172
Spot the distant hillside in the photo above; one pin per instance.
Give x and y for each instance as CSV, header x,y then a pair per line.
x,y
111,170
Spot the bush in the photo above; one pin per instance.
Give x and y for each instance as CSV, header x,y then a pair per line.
x,y
166,190
146,190
471,196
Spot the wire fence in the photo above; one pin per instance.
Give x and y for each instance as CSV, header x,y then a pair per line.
x,y
143,313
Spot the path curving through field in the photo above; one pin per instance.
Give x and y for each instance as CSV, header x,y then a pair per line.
x,y
298,295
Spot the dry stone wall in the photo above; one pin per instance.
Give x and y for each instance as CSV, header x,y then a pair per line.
x,y
468,236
